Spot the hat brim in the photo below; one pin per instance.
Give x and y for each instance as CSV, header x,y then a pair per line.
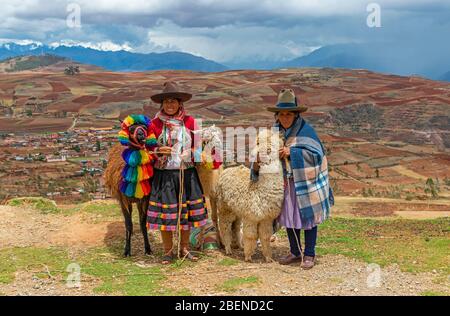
x,y
299,109
184,97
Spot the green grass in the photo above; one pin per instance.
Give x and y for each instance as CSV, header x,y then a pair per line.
x,y
234,284
32,259
227,262
416,246
98,211
115,274
43,205
122,276
104,209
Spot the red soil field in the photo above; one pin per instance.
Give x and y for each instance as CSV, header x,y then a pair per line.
x,y
59,87
86,99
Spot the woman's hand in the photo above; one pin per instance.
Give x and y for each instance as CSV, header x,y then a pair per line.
x,y
284,152
164,150
256,164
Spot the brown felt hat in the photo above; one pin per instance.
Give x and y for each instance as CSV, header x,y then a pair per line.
x,y
171,90
287,101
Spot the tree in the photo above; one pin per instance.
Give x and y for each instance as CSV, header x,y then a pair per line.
x,y
432,188
72,70
90,184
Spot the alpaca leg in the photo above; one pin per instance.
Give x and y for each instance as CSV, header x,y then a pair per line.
x,y
225,224
127,211
250,234
237,234
265,231
143,207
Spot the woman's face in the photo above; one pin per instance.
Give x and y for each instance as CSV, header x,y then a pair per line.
x,y
286,118
171,106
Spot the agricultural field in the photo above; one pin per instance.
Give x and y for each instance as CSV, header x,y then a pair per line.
x,y
386,135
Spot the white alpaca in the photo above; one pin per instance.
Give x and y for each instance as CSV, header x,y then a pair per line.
x,y
257,203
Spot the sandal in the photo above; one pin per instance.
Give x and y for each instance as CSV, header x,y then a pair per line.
x,y
189,256
167,259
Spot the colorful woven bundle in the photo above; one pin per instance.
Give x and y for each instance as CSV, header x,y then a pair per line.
x,y
138,162
204,238
124,134
136,173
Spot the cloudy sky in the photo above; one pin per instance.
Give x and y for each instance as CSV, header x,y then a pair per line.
x,y
227,31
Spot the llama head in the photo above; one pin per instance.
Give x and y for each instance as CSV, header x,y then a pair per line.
x,y
135,131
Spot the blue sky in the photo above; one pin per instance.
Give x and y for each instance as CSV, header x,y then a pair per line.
x,y
227,31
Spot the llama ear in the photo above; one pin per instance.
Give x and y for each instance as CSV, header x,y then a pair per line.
x,y
121,121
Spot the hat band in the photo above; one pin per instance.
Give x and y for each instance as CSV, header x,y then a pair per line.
x,y
286,105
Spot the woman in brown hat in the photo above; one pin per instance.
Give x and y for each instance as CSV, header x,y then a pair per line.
x,y
308,196
176,199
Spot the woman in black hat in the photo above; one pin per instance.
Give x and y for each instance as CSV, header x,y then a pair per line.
x,y
308,196
177,202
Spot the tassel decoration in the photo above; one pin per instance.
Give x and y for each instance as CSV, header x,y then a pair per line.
x,y
138,163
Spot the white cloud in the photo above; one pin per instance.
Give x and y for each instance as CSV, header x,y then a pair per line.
x,y
223,30
105,45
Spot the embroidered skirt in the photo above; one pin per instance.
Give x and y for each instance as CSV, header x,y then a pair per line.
x,y
164,197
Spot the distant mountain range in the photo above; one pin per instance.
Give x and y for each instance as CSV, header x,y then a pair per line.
x,y
116,60
394,58
446,77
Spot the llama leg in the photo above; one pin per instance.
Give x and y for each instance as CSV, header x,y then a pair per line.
x,y
237,234
225,224
265,231
143,207
214,218
250,234
127,211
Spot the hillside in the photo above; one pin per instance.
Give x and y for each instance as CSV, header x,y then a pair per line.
x,y
386,135
348,99
46,63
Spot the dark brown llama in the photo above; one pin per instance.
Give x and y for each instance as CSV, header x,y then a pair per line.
x,y
113,178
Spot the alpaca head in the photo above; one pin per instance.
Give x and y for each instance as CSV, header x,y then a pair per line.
x,y
266,151
212,143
